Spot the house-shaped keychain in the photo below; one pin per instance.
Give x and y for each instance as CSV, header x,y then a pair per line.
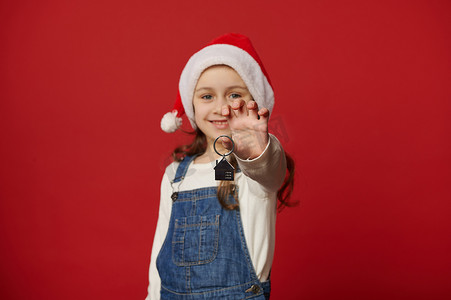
x,y
224,170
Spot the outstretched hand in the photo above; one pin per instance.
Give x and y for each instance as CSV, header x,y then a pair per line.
x,y
249,127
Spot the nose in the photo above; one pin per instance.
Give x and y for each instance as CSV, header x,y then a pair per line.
x,y
220,102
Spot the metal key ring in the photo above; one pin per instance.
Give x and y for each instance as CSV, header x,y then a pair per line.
x,y
228,153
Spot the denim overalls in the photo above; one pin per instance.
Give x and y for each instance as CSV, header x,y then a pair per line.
x,y
204,255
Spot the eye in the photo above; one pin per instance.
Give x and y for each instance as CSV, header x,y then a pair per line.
x,y
207,97
235,96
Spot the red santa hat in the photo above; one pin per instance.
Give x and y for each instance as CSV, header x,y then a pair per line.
x,y
233,50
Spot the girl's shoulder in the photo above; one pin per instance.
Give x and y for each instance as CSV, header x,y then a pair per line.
x,y
171,169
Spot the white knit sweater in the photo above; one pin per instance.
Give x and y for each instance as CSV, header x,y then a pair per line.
x,y
258,182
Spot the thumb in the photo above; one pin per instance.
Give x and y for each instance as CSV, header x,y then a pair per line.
x,y
227,143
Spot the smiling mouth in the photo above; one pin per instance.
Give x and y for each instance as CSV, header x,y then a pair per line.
x,y
219,122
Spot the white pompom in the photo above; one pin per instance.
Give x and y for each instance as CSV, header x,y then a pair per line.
x,y
170,122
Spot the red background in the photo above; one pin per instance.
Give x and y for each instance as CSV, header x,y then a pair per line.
x,y
362,103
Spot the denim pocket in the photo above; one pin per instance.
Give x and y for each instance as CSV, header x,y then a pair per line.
x,y
195,240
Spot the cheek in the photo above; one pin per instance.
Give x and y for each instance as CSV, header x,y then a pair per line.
x,y
248,98
199,110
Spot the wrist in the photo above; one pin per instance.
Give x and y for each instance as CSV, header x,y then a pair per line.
x,y
254,151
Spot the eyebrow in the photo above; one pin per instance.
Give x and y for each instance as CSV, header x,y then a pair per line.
x,y
228,88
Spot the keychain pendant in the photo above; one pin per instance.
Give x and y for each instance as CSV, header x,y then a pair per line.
x,y
224,170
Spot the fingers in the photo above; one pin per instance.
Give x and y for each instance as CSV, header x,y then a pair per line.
x,y
225,110
264,114
252,108
239,107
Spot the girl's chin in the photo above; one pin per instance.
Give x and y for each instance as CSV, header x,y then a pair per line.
x,y
213,134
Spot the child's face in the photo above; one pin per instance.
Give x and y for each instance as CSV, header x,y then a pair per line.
x,y
218,86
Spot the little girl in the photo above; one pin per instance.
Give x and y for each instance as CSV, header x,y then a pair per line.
x,y
215,239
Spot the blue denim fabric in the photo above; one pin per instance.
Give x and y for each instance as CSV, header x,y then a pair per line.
x,y
204,255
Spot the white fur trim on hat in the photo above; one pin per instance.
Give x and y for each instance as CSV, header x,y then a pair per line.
x,y
170,122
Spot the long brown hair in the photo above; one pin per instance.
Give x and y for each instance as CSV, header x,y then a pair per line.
x,y
228,188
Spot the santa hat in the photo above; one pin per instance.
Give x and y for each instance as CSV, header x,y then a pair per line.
x,y
233,50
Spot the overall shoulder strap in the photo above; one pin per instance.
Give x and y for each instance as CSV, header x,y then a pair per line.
x,y
182,168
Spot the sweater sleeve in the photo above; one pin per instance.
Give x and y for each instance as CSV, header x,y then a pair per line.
x,y
160,234
269,168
